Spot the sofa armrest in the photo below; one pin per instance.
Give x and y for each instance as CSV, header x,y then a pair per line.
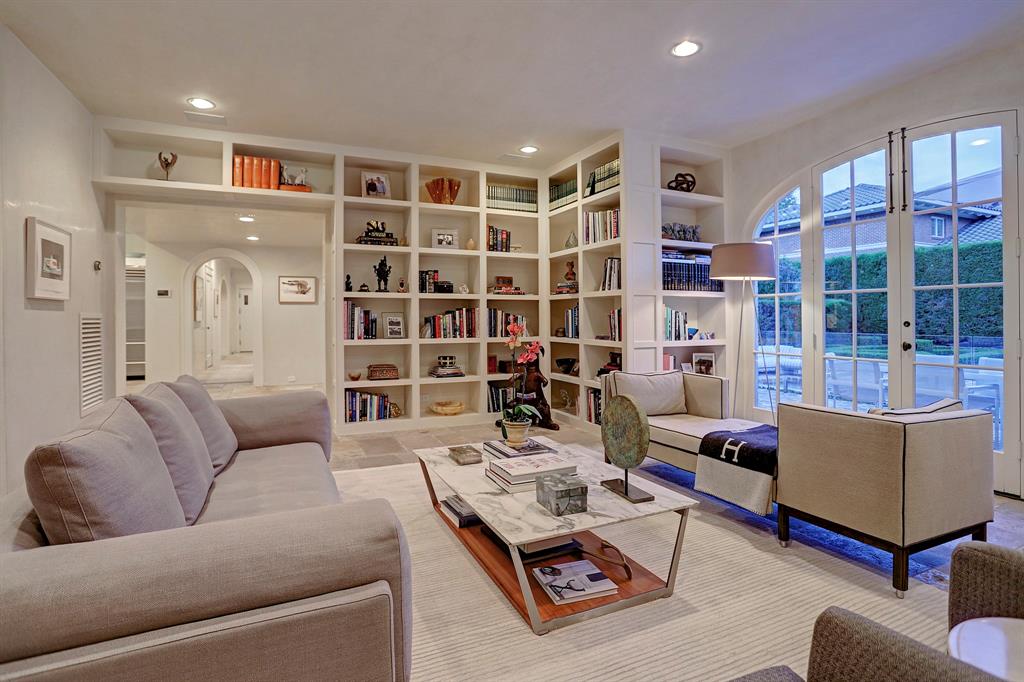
x,y
280,419
985,581
72,595
706,395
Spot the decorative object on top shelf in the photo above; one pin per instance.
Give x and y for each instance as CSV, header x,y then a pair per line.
x,y
402,288
383,271
364,287
567,365
570,271
505,286
572,241
447,408
443,190
354,376
348,282
446,368
444,238
704,363
681,232
394,410
47,261
376,184
512,198
471,244
603,177
683,182
560,332
376,234
561,494
394,325
294,178
296,289
381,372
463,288
614,363
166,163
626,437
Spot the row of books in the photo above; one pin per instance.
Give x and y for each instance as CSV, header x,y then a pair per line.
x,y
451,324
512,198
615,325
669,362
255,171
570,287
561,194
500,394
675,324
682,271
498,239
572,322
603,177
366,407
359,323
611,280
599,226
429,280
519,474
594,405
499,320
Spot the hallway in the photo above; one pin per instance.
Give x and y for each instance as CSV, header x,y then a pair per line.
x,y
235,368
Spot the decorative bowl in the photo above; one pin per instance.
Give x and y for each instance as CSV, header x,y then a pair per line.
x,y
448,408
566,365
443,190
354,376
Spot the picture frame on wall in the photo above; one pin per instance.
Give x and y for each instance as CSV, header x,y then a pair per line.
x,y
47,261
296,290
376,184
704,363
394,325
444,238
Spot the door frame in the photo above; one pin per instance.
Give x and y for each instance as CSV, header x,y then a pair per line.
x,y
239,292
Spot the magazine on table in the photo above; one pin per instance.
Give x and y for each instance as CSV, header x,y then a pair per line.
x,y
574,581
501,449
523,469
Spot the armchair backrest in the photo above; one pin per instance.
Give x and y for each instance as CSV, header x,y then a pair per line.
x,y
672,392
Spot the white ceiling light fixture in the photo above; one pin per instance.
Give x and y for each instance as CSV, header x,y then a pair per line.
x,y
529,149
980,141
253,237
246,219
201,103
686,48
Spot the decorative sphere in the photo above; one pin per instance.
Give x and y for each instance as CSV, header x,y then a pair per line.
x,y
625,432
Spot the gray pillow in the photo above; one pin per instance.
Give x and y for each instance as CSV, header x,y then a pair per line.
x,y
656,392
103,480
181,445
944,405
220,439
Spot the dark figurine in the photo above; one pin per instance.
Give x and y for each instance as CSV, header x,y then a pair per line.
x,y
533,393
570,271
348,282
364,287
383,271
683,182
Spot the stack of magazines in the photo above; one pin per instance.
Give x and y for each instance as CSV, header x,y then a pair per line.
x,y
460,513
519,474
446,372
574,581
502,450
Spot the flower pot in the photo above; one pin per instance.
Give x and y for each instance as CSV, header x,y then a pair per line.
x,y
515,432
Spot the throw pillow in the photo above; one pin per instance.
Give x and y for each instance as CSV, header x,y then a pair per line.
x,y
656,392
103,480
944,405
220,439
181,445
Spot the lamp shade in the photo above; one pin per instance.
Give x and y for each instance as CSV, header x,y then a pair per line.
x,y
743,260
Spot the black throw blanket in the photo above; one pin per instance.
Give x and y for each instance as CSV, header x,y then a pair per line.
x,y
756,449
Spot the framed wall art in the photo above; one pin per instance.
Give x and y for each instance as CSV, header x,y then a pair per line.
x,y
444,238
376,184
704,363
394,325
47,261
291,289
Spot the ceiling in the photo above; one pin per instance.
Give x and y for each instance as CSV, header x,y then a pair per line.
x,y
214,226
477,79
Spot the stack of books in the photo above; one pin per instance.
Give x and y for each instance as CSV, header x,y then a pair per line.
x,y
256,171
500,394
376,234
603,177
594,405
431,283
675,325
460,513
511,198
503,450
519,474
681,271
499,320
498,239
612,278
366,407
506,290
562,194
451,324
572,287
440,372
599,226
572,322
587,582
358,323
615,325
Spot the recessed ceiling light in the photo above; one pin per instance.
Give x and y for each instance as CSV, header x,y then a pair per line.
x,y
686,49
980,141
200,103
246,219
529,149
253,238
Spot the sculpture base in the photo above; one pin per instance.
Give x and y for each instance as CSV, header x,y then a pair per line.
x,y
629,492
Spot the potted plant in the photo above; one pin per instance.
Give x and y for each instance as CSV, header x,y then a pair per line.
x,y
517,419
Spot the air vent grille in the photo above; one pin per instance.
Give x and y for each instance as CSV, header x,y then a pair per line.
x,y
90,354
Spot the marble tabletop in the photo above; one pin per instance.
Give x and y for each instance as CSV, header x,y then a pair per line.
x,y
996,645
518,518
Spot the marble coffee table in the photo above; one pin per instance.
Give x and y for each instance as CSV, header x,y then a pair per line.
x,y
518,520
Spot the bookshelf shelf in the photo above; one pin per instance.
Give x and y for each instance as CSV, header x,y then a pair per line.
x,y
432,342
513,297
591,383
468,379
563,297
376,248
382,383
557,376
606,245
707,343
465,253
564,253
563,209
609,198
450,297
446,209
602,294
671,197
604,343
512,214
564,339
376,204
375,294
702,247
510,255
669,293
376,342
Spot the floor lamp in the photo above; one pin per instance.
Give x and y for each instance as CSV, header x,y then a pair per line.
x,y
747,262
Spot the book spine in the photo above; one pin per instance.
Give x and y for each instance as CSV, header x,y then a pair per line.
x,y
265,173
237,171
275,174
247,170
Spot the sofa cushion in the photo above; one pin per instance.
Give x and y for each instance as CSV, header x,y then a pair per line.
x,y
273,479
181,445
219,438
685,431
20,527
944,405
656,392
103,480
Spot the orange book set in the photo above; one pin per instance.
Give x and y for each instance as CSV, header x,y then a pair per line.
x,y
261,173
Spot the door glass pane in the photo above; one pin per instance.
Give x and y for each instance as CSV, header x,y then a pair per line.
x,y
766,226
933,172
791,385
838,257
835,195
982,389
933,310
932,383
839,324
838,383
933,257
979,164
871,256
869,185
980,242
787,250
872,325
766,323
765,380
789,322
981,325
872,385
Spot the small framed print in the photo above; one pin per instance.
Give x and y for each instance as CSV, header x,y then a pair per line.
x,y
687,367
444,239
291,289
394,325
376,184
704,363
47,261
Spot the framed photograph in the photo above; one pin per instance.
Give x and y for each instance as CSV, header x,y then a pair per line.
x,y
296,289
376,184
444,239
47,261
686,367
704,363
394,325
503,281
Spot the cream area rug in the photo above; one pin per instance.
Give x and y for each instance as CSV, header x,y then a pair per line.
x,y
741,602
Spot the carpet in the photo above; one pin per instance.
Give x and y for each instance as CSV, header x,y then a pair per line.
x,y
741,601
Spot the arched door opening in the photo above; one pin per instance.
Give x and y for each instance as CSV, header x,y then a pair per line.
x,y
222,323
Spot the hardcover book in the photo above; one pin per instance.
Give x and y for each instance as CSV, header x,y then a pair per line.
x,y
523,469
574,581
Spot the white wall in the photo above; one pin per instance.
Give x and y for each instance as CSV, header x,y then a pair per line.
x,y
45,171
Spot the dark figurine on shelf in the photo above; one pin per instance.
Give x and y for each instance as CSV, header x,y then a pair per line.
x,y
683,182
348,282
570,271
167,163
401,285
383,271
364,287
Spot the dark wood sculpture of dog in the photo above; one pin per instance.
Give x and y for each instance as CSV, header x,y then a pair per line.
x,y
533,393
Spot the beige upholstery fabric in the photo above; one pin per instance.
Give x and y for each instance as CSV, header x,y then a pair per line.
x,y
944,405
219,438
103,480
706,396
685,431
181,445
268,480
20,527
293,417
656,392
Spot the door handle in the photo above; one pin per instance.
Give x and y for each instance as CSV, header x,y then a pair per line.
x,y
907,345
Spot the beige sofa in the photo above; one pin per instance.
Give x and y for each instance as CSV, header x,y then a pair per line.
x,y
276,577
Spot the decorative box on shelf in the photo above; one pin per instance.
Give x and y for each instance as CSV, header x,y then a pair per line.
x,y
381,372
561,494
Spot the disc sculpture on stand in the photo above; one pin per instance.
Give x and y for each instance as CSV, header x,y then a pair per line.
x,y
626,436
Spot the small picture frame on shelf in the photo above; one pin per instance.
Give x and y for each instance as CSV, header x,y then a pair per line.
x,y
687,367
394,325
47,261
704,363
296,290
376,184
444,238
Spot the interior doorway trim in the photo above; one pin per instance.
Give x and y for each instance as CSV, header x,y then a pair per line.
x,y
257,294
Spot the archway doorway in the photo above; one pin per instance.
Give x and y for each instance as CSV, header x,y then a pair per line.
x,y
223,323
